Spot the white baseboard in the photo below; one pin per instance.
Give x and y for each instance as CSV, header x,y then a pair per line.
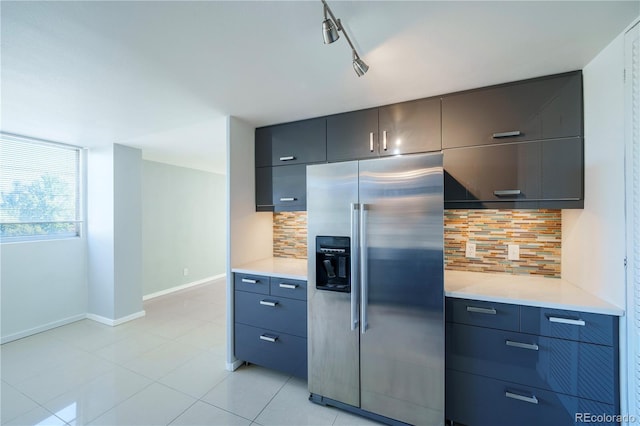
x,y
41,328
182,287
233,366
113,323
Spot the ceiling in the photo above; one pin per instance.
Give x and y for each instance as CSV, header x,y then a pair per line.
x,y
162,76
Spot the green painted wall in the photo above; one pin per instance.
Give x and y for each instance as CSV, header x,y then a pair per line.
x,y
183,225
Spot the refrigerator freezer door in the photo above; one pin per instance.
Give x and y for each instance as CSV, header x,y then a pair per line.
x,y
402,347
332,192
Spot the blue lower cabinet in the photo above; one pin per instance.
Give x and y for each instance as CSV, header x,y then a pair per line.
x,y
270,320
474,400
581,369
272,349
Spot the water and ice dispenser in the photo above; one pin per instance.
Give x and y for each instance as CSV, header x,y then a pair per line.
x,y
333,264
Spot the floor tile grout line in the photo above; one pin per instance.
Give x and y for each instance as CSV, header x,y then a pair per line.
x,y
225,410
272,398
184,411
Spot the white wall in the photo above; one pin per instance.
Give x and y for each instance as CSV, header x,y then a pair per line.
x,y
114,234
184,226
593,239
100,212
44,285
127,231
249,234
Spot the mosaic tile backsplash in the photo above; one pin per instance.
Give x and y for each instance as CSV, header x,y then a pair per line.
x,y
536,232
290,235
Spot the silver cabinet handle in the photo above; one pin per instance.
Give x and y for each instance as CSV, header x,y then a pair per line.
x,y
507,192
268,303
569,321
289,286
506,134
355,207
384,140
268,338
288,199
371,141
250,281
531,346
287,158
477,310
529,399
364,284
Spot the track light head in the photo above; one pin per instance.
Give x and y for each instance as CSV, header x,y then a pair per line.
x,y
329,31
359,65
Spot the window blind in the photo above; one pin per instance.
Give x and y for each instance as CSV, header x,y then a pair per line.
x,y
39,190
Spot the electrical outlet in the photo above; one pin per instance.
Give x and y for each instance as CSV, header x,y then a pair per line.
x,y
185,271
470,250
513,252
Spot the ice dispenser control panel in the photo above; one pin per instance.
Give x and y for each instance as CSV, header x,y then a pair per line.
x,y
333,269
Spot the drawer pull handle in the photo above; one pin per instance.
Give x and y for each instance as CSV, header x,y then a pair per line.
x,y
287,158
506,134
507,192
371,141
288,199
268,303
477,310
531,346
250,281
268,338
289,286
567,321
529,399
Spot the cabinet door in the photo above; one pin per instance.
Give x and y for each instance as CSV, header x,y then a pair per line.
x,y
562,169
493,173
292,143
353,135
289,187
544,108
264,189
410,127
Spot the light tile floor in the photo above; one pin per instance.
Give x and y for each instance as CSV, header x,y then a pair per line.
x,y
165,368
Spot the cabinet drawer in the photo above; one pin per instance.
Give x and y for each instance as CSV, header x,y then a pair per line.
x,y
252,283
573,368
544,108
271,349
272,312
485,314
293,289
580,326
474,400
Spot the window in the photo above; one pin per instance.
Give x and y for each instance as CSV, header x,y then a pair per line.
x,y
39,190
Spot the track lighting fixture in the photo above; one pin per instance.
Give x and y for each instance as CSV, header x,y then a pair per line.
x,y
330,28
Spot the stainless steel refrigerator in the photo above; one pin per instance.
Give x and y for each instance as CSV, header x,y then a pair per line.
x,y
375,293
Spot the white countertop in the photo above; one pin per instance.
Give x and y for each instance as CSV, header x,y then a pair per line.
x,y
525,290
501,288
293,269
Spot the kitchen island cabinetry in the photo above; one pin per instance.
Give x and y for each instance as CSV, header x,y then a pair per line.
x,y
270,322
511,364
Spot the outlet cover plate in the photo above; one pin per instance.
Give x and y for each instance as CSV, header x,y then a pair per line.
x,y
513,252
470,250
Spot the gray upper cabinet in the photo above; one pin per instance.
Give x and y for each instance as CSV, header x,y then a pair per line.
x,y
410,127
299,142
542,108
403,128
352,135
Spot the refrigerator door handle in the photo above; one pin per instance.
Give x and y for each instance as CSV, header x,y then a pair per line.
x,y
363,270
355,208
